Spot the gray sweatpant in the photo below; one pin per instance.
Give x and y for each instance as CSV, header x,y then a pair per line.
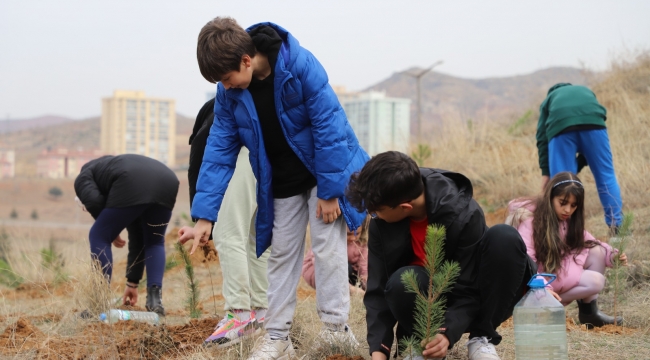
x,y
329,245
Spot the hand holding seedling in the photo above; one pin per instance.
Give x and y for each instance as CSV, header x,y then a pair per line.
x,y
622,259
436,348
329,209
202,231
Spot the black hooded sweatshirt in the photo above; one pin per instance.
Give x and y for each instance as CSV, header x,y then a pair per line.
x,y
448,200
125,180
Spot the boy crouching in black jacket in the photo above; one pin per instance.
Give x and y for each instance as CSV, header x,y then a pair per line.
x,y
495,268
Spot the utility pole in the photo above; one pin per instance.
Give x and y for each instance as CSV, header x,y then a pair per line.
x,y
418,77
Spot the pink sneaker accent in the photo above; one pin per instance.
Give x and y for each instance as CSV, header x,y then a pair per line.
x,y
231,330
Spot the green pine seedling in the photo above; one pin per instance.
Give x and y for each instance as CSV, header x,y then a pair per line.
x,y
429,310
192,284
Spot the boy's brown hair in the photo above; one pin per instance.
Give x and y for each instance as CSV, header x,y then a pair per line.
x,y
222,44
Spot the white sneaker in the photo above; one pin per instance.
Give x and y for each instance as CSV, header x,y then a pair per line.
x,y
478,348
268,349
341,337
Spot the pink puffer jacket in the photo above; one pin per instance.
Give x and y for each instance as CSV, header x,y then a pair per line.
x,y
521,217
357,258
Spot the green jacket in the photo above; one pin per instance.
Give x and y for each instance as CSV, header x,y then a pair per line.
x,y
565,105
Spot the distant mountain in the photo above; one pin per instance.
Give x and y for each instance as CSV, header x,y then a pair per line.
x,y
7,126
445,97
73,134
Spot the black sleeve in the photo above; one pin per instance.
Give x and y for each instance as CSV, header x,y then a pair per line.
x,y
462,302
198,140
135,257
197,149
379,319
88,192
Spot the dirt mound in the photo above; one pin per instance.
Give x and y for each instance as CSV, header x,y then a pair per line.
x,y
20,335
209,253
28,291
611,330
124,340
193,333
343,357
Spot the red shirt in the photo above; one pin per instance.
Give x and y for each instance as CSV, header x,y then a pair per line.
x,y
418,234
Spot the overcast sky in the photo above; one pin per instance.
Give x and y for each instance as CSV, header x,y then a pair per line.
x,y
61,57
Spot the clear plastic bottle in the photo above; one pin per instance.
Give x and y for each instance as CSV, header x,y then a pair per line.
x,y
115,315
540,323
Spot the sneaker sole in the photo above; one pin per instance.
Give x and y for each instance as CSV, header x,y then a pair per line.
x,y
233,341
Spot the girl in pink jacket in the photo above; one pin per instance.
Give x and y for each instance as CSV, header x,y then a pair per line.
x,y
552,226
357,260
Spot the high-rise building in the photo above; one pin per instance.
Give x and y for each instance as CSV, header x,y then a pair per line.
x,y
135,124
380,123
7,163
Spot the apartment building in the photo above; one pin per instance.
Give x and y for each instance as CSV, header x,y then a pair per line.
x,y
133,123
7,163
63,163
381,123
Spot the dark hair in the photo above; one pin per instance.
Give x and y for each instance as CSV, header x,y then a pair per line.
x,y
388,179
222,44
550,249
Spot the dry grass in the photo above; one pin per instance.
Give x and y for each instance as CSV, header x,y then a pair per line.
x,y
40,319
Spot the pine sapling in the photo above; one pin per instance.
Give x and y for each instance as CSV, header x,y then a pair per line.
x,y
429,310
192,285
618,273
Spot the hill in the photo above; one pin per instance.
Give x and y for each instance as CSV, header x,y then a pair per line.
x,y
8,126
73,134
496,99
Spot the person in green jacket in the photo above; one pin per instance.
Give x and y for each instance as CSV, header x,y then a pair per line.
x,y
571,133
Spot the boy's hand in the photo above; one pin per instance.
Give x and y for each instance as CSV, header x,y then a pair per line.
x,y
185,234
329,209
436,348
201,234
118,242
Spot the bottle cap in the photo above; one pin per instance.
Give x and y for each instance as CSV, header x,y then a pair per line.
x,y
102,317
534,283
538,281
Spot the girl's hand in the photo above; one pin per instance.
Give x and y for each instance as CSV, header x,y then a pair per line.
x,y
555,295
623,259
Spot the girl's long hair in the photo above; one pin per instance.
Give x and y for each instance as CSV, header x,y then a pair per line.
x,y
550,249
363,236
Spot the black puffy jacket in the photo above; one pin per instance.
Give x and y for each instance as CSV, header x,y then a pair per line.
x,y
125,180
448,199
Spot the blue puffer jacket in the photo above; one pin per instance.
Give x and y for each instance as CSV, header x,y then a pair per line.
x,y
313,123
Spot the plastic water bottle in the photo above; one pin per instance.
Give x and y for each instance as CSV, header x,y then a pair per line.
x,y
115,315
540,324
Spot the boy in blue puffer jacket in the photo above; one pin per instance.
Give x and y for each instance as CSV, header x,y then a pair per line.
x,y
274,98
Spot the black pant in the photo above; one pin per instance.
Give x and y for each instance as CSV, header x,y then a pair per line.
x,y
504,269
